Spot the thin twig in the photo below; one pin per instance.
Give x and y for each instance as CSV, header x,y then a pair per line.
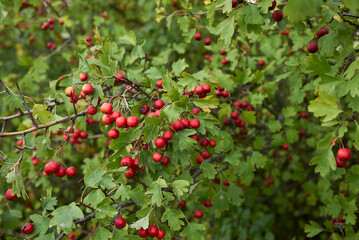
x,y
26,106
6,89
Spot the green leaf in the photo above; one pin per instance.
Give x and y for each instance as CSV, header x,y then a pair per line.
x,y
324,162
180,187
48,202
150,130
156,192
251,14
208,170
249,117
193,231
312,229
274,125
207,103
257,160
94,197
325,105
317,65
225,30
105,209
226,5
142,223
93,176
300,10
63,217
41,224
224,110
179,66
101,233
128,39
235,195
173,218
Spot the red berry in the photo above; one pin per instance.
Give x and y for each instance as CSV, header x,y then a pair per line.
x,y
274,4
159,84
28,228
225,94
261,63
195,111
304,115
234,3
197,36
130,173
83,76
71,171
344,153
321,32
159,104
87,88
207,41
120,223
285,146
223,52
225,61
132,121
113,133
226,182
195,123
302,132
61,172
199,159
144,109
106,119
185,122
152,231
74,98
9,195
19,143
206,155
206,88
52,167
277,15
199,89
182,203
212,143
83,135
284,33
142,232
70,91
312,47
159,142
157,157
106,108
198,214
167,135
244,104
165,161
121,122
195,137
177,125
234,115
160,234
204,142
61,22
341,163
31,38
115,114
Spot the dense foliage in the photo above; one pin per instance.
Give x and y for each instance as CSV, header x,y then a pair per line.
x,y
181,119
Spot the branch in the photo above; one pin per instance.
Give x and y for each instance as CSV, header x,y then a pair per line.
x,y
137,87
26,106
61,120
6,89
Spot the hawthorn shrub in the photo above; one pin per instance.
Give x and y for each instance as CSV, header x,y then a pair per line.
x,y
179,119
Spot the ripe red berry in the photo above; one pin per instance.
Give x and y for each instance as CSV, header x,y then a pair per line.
x,y
159,142
52,167
274,4
177,125
61,172
197,36
106,108
225,61
9,195
185,122
312,47
199,89
234,115
71,171
225,94
198,214
302,132
286,32
61,22
195,111
285,146
159,104
152,231
206,87
132,121
113,133
344,153
120,223
207,203
277,15
121,122
19,143
195,123
130,173
106,119
87,88
226,182
261,63
83,76
159,84
341,163
157,157
199,159
234,3
303,115
160,234
195,137
74,98
31,38
212,143
321,32
206,155
244,104
204,142
182,203
223,52
167,135
207,41
142,232
115,114
165,161
28,228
